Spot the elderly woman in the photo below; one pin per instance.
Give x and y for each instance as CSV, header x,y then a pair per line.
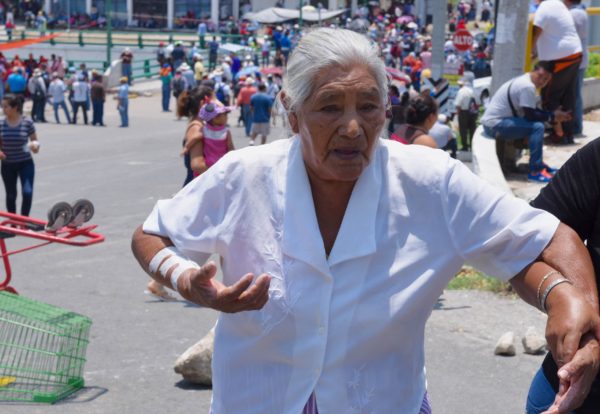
x,y
336,245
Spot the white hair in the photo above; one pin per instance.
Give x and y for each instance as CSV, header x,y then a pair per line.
x,y
325,48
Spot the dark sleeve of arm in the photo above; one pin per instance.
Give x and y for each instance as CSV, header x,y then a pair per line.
x,y
537,115
573,195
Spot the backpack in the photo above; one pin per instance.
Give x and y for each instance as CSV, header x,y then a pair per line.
x,y
473,106
220,93
178,86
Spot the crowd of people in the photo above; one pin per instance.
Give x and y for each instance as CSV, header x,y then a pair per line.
x,y
49,82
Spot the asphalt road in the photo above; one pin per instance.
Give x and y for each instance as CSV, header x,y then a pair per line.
x,y
135,339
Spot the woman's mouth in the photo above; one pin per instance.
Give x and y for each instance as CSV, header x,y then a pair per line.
x,y
346,154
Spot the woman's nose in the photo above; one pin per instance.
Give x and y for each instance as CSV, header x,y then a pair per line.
x,y
351,126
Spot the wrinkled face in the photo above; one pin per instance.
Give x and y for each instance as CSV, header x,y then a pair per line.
x,y
340,123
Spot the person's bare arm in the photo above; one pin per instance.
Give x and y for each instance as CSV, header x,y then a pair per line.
x,y
426,141
573,326
199,285
230,146
197,161
537,31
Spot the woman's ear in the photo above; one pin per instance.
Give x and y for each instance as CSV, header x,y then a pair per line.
x,y
292,118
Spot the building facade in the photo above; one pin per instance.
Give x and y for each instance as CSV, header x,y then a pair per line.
x,y
173,14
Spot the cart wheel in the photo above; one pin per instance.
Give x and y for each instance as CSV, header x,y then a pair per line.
x,y
59,216
83,209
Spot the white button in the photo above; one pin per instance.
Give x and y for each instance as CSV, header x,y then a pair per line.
x,y
321,330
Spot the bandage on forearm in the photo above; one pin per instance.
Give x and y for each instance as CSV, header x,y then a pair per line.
x,y
173,258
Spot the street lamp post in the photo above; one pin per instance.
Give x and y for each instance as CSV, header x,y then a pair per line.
x,y
68,15
108,31
300,18
319,7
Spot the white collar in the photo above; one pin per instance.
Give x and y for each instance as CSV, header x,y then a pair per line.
x,y
301,235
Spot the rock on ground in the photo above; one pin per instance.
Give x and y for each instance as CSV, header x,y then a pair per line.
x,y
506,345
195,363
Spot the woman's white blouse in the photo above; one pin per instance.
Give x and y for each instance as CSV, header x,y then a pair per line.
x,y
349,327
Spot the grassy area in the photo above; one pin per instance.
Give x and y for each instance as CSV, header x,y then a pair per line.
x,y
470,278
593,69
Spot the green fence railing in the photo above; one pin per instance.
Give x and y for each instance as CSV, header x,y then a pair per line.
x,y
141,40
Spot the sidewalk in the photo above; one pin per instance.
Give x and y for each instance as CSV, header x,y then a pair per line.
x,y
555,156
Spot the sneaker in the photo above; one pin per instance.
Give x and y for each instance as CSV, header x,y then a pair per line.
x,y
251,142
540,177
549,169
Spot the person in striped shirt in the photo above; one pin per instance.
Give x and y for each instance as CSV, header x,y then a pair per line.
x,y
18,141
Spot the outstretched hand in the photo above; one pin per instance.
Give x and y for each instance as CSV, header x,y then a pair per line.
x,y
201,287
576,378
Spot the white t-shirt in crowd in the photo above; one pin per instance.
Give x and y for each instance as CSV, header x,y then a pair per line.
x,y
523,94
463,97
350,326
559,37
57,90
580,17
441,134
81,91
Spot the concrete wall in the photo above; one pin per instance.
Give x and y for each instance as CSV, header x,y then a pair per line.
x,y
591,93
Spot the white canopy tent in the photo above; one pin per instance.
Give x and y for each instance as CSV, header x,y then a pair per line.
x,y
278,15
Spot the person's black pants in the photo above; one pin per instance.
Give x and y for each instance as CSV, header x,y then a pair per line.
x,y
11,173
467,123
561,92
97,112
76,106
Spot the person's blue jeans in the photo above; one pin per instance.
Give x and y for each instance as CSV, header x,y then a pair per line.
x,y
519,128
247,118
11,173
126,71
62,105
124,115
166,96
578,112
541,394
97,112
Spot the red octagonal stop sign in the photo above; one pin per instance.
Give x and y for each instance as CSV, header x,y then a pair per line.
x,y
462,40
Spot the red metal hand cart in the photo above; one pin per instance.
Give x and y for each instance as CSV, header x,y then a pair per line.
x,y
64,225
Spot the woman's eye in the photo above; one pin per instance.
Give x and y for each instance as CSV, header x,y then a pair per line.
x,y
329,108
369,107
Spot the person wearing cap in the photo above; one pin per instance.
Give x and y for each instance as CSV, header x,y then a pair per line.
x,y
123,103
467,105
161,54
188,74
166,78
243,102
37,90
226,67
126,59
81,93
216,138
261,104
56,91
